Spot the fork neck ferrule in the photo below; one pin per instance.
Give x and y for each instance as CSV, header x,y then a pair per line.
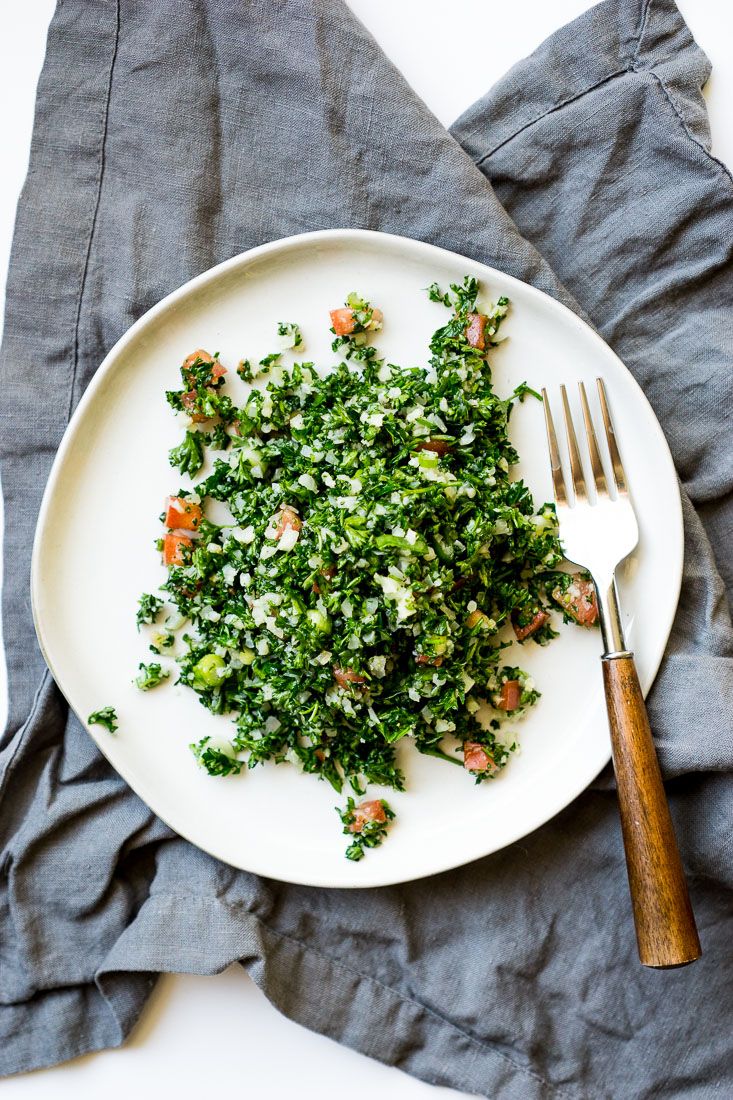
x,y
614,643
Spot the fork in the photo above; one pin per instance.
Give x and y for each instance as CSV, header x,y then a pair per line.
x,y
598,531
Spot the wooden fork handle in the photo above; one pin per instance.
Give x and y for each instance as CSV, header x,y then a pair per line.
x,y
665,924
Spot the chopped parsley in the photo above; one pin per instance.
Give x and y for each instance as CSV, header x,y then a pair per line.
x,y
215,761
106,717
188,457
290,335
378,555
435,294
161,640
147,609
219,439
366,831
150,676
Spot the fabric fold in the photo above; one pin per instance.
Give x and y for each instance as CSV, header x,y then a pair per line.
x,y
611,40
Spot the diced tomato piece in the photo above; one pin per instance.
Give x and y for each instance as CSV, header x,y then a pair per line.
x,y
173,547
346,677
532,627
367,811
425,659
475,330
182,514
188,400
288,520
195,356
201,355
578,601
343,321
511,693
438,446
475,618
476,758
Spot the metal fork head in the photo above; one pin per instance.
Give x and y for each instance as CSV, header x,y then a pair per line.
x,y
598,529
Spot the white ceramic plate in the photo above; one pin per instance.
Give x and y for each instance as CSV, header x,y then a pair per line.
x,y
94,554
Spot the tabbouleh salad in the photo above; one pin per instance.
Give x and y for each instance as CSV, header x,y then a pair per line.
x,y
377,549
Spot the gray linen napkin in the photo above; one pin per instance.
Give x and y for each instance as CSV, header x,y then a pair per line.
x,y
172,134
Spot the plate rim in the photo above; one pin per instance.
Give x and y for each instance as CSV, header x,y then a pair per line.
x,y
192,286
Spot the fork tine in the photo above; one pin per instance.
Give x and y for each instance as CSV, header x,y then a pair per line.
x,y
558,481
599,474
576,467
618,470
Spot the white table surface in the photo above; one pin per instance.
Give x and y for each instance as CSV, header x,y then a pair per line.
x,y
451,53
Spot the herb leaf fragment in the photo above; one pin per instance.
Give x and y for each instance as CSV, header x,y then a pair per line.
x,y
150,676
365,833
106,717
188,456
215,761
148,608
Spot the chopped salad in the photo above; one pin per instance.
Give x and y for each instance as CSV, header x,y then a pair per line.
x,y
376,552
